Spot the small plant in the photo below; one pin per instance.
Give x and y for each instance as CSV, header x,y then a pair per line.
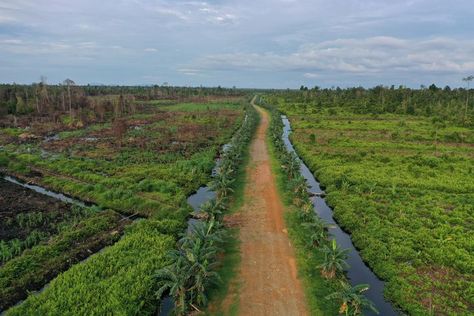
x,y
353,301
334,260
318,232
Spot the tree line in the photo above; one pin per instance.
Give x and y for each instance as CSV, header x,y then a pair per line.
x,y
454,105
49,100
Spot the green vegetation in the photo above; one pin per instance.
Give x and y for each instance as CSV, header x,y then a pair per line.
x,y
34,267
36,226
148,162
334,260
143,159
353,300
118,280
397,166
194,264
303,226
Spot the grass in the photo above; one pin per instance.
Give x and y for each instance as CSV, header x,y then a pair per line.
x,y
229,287
171,151
199,106
162,158
38,265
315,286
107,282
402,186
239,185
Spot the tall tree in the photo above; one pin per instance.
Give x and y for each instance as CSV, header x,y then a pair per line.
x,y
468,79
69,83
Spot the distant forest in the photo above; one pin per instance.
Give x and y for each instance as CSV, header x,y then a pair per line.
x,y
443,104
49,101
88,103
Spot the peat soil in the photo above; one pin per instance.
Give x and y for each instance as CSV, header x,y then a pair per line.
x,y
15,200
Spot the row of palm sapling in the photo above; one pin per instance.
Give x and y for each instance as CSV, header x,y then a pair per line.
x,y
352,299
194,262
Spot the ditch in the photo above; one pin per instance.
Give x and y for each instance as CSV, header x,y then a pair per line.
x,y
358,272
202,195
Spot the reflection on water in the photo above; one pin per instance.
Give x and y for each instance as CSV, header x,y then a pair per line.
x,y
42,190
203,194
358,271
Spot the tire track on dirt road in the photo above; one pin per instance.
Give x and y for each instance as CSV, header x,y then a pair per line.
x,y
268,277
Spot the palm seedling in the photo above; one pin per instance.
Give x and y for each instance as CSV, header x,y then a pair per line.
x,y
334,260
293,166
5,251
319,232
353,301
210,232
306,214
213,209
204,275
222,185
15,246
191,272
200,252
175,279
300,187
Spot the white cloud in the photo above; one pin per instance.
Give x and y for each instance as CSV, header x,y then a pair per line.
x,y
189,71
358,56
275,42
311,75
150,50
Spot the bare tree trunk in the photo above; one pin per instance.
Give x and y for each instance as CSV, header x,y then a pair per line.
x,y
467,103
63,101
69,96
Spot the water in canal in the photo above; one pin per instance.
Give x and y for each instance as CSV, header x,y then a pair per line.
x,y
358,272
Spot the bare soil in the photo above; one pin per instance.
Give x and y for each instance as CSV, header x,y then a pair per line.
x,y
269,283
15,199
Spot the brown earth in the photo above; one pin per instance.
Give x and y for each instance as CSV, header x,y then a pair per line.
x,y
267,274
15,199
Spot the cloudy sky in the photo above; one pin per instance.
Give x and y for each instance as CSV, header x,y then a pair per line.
x,y
246,43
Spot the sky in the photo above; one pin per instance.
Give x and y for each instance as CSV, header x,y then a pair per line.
x,y
242,43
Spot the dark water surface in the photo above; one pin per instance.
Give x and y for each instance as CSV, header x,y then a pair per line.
x,y
358,271
36,188
203,194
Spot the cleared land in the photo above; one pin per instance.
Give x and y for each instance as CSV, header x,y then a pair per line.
x,y
145,163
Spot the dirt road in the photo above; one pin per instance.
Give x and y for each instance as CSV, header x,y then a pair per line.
x,y
268,275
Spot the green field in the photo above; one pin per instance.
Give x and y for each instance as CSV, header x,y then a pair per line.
x,y
144,164
403,186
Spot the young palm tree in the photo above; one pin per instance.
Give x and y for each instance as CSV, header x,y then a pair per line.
x,y
319,232
201,254
213,209
291,163
192,271
300,189
353,301
221,185
209,232
334,260
293,166
306,213
176,280
204,275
